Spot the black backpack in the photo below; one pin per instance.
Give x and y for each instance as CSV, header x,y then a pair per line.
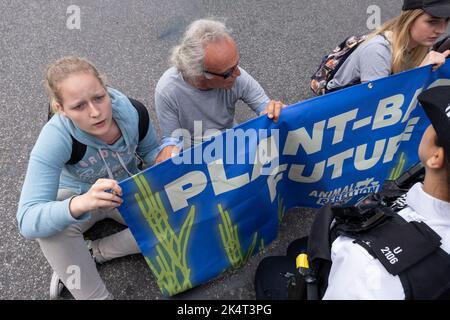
x,y
79,149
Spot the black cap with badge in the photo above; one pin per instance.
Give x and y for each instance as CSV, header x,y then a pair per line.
x,y
436,103
435,8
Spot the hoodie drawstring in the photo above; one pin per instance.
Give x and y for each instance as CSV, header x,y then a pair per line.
x,y
110,174
122,163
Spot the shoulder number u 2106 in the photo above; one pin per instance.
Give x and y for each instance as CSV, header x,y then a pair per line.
x,y
391,255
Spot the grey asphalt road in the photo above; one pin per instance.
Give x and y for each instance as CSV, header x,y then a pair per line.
x,y
281,43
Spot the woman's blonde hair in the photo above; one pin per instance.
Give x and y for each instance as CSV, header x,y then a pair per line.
x,y
398,31
61,70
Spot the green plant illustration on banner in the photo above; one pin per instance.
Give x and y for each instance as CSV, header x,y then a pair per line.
x,y
171,262
281,209
398,169
261,245
231,242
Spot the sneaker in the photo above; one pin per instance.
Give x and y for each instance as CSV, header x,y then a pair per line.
x,y
89,246
56,287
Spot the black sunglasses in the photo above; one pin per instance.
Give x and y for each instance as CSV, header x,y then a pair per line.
x,y
224,75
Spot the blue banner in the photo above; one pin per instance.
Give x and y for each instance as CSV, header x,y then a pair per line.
x,y
216,204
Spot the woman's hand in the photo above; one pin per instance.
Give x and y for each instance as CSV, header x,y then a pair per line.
x,y
104,193
435,58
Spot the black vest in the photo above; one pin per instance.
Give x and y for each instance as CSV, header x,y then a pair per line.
x,y
410,250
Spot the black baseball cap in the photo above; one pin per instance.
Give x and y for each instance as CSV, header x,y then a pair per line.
x,y
436,103
436,8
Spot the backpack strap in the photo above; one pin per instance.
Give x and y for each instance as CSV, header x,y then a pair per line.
x,y
144,118
319,247
79,149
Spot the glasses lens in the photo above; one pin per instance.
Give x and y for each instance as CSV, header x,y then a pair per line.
x,y
230,72
224,75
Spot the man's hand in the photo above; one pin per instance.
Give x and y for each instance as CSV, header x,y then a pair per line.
x,y
273,109
166,153
435,58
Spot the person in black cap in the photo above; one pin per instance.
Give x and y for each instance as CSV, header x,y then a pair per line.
x,y
388,255
435,146
356,274
435,8
400,44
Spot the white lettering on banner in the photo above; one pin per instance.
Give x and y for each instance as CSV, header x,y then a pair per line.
x,y
273,179
193,183
361,163
337,161
267,152
184,188
394,142
412,105
409,128
392,147
296,173
347,192
219,180
362,123
389,112
340,122
301,137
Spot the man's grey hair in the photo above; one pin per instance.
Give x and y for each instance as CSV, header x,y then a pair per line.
x,y
188,56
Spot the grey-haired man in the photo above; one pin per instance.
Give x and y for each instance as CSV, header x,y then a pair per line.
x,y
204,85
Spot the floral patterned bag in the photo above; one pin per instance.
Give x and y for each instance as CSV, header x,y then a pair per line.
x,y
332,62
